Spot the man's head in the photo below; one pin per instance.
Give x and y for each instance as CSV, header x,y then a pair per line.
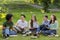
x,y
23,17
45,17
9,17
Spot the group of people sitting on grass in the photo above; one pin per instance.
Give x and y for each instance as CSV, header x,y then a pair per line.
x,y
48,27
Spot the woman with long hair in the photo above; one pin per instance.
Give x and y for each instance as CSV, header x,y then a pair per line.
x,y
33,25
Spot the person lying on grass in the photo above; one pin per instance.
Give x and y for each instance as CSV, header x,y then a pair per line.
x,y
8,26
53,27
21,25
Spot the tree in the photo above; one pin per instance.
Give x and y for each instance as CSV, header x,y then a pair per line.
x,y
57,2
46,5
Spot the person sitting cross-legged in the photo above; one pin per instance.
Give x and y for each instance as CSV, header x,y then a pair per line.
x,y
45,24
21,25
53,27
7,28
33,26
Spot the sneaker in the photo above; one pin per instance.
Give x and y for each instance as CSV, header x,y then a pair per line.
x,y
56,35
50,35
13,35
24,35
34,37
28,33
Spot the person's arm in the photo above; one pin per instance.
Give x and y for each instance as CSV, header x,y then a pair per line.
x,y
42,22
30,25
56,25
26,25
17,24
4,26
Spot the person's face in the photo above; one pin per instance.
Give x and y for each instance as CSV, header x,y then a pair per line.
x,y
45,18
11,19
52,17
33,18
22,18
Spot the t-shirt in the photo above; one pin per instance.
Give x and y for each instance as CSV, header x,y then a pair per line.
x,y
8,24
22,24
35,25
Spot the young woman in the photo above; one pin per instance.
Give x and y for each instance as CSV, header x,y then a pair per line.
x,y
33,25
53,26
8,27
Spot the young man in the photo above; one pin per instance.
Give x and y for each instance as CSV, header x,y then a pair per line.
x,y
45,24
8,26
21,25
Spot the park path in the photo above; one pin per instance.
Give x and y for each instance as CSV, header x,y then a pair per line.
x,y
40,7
36,6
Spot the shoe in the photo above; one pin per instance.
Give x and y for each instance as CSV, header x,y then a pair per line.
x,y
13,35
50,35
34,37
24,35
28,33
56,35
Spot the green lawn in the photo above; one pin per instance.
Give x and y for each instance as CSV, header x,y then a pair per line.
x,y
40,18
28,12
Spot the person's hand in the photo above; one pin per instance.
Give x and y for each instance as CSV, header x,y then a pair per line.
x,y
32,28
3,27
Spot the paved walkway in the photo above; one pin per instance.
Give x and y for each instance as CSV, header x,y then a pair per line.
x,y
40,7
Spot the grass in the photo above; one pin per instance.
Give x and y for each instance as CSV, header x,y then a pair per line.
x,y
28,11
28,16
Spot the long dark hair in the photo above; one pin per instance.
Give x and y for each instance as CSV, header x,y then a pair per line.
x,y
54,19
31,23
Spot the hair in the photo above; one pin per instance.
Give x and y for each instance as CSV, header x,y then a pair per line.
x,y
54,19
23,15
32,21
46,16
8,17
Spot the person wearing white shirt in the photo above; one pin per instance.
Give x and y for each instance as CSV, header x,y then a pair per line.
x,y
21,24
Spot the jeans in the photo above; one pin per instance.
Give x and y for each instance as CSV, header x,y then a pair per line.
x,y
49,32
43,27
8,31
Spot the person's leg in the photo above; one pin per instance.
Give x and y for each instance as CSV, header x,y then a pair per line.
x,y
12,32
32,31
3,33
38,30
17,29
53,32
6,32
45,28
35,30
47,32
41,26
22,31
